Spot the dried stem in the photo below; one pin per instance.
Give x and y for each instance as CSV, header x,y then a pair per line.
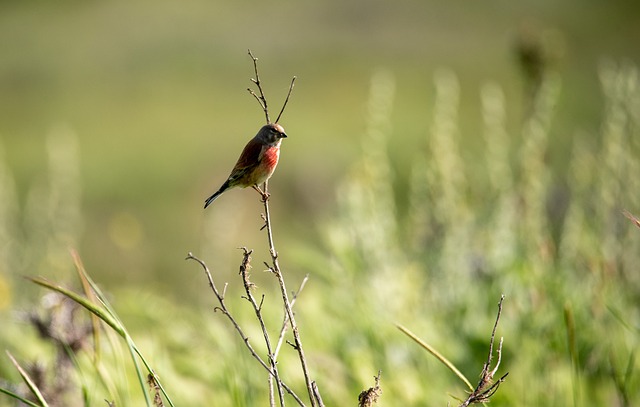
x,y
261,99
283,329
275,269
286,100
248,286
223,308
484,390
368,398
316,393
285,322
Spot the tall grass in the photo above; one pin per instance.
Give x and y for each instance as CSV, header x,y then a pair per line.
x,y
570,321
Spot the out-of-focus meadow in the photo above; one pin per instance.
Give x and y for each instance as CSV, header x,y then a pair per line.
x,y
439,154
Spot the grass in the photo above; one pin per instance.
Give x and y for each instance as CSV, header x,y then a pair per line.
x,y
436,266
444,192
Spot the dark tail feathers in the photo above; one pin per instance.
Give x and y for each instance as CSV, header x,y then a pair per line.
x,y
213,197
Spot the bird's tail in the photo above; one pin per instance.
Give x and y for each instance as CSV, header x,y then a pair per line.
x,y
213,197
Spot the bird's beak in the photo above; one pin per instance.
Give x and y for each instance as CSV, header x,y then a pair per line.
x,y
283,135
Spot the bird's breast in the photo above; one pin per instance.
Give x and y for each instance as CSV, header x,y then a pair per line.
x,y
271,155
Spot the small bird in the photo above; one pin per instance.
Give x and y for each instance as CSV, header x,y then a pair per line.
x,y
257,161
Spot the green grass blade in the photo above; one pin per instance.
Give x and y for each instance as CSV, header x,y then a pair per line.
x,y
109,316
17,397
435,353
91,307
25,376
87,282
90,294
146,364
133,351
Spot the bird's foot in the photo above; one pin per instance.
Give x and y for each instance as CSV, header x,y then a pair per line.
x,y
265,195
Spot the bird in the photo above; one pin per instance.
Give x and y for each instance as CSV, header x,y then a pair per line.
x,y
256,163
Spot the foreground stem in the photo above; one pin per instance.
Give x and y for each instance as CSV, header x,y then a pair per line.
x,y
223,308
275,269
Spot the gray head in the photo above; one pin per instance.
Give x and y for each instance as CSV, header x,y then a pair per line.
x,y
272,133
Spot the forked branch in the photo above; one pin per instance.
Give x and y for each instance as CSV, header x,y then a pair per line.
x,y
486,388
223,308
248,288
261,98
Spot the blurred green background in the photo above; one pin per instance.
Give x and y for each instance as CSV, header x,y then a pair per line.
x,y
117,120
155,94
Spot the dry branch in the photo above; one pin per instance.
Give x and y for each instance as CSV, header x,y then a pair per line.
x,y
261,98
274,267
370,396
486,388
248,287
223,308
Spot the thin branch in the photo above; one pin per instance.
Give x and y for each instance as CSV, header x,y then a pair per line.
x,y
283,329
287,99
482,393
223,308
316,393
261,99
495,369
275,269
493,335
285,322
248,286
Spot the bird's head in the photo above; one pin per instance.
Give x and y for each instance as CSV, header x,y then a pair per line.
x,y
272,133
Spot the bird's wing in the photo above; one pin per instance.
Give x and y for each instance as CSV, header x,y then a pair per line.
x,y
251,155
249,158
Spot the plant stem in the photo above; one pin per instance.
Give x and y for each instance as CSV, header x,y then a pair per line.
x,y
275,269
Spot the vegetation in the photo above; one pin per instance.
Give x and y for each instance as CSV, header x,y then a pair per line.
x,y
424,235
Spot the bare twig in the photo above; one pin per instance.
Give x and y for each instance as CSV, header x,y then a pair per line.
x,y
285,322
248,286
316,393
286,100
223,308
283,329
261,99
370,397
485,389
275,269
